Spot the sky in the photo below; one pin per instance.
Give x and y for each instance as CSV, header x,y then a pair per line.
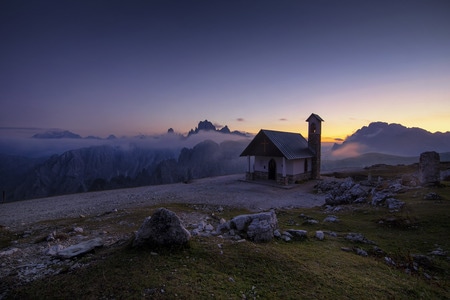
x,y
140,67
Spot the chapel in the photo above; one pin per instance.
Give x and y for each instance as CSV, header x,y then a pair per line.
x,y
285,157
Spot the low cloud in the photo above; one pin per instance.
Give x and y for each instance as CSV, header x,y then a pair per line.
x,y
282,119
240,119
34,147
348,150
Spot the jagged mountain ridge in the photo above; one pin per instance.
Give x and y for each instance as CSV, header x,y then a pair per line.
x,y
396,139
66,134
208,126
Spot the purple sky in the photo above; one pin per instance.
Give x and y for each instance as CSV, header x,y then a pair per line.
x,y
128,67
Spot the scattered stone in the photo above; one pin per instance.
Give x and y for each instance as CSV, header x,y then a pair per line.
x,y
378,251
397,188
432,196
438,252
297,234
346,249
422,260
331,233
389,261
394,204
358,238
78,229
361,252
53,250
429,168
80,248
320,235
310,222
255,227
164,228
331,219
378,198
9,252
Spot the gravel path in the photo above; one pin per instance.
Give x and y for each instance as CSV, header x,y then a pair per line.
x,y
225,190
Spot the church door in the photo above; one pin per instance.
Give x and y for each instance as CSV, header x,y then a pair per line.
x,y
272,169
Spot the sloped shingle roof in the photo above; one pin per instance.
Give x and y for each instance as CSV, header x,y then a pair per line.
x,y
288,144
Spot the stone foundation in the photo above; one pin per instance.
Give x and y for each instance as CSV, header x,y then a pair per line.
x,y
289,179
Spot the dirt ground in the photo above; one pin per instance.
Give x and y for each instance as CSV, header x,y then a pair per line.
x,y
229,190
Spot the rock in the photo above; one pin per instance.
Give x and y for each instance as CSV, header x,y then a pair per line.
x,y
310,222
298,234
276,233
389,261
432,196
9,252
164,228
255,227
429,168
78,229
394,204
357,191
397,188
320,235
378,198
81,248
53,250
422,260
331,219
286,236
445,175
438,252
358,238
209,227
361,252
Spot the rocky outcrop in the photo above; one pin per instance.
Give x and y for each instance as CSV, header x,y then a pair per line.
x,y
162,229
429,168
345,192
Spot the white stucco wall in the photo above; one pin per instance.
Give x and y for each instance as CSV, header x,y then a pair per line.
x,y
293,167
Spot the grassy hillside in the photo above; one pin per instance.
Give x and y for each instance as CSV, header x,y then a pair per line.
x,y
215,268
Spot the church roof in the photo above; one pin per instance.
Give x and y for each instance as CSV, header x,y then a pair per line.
x,y
278,143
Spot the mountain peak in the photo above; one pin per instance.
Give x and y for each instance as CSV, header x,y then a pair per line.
x,y
394,139
56,134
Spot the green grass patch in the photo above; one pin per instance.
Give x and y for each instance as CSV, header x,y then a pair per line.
x,y
216,268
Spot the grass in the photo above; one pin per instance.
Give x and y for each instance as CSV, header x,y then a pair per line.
x,y
274,270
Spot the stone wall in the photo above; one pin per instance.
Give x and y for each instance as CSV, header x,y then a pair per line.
x,y
280,179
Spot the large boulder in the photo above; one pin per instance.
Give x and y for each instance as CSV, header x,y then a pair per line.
x,y
429,168
163,228
255,227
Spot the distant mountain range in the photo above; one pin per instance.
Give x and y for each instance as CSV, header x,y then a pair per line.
x,y
108,167
394,139
202,126
119,163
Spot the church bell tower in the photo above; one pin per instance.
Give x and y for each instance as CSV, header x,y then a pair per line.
x,y
314,142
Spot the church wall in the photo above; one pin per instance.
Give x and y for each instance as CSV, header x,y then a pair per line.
x,y
294,169
262,163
